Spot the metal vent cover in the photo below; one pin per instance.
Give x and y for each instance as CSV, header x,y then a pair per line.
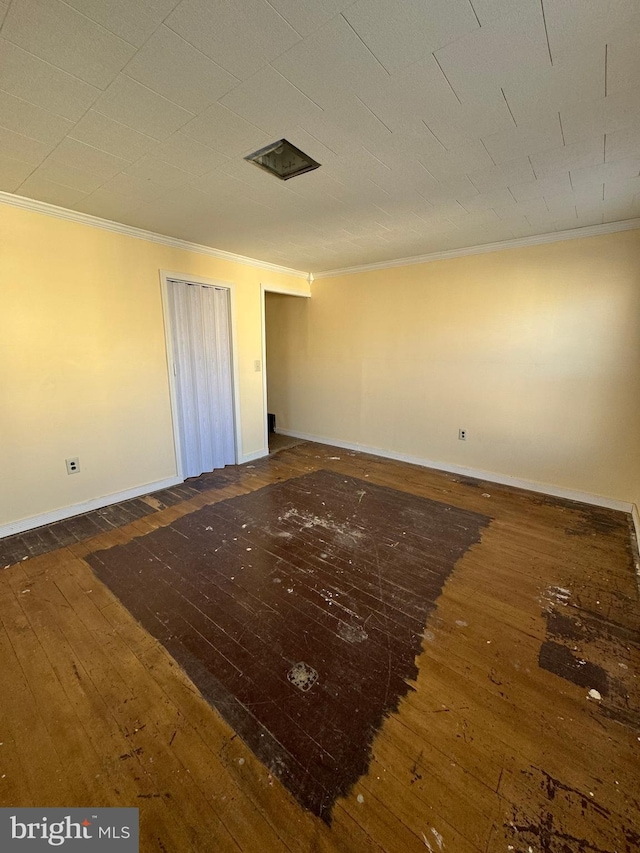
x,y
283,160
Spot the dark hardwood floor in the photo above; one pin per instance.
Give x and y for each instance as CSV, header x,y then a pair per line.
x,y
329,651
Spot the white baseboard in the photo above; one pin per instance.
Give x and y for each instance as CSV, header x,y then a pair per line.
x,y
490,476
251,457
23,524
33,521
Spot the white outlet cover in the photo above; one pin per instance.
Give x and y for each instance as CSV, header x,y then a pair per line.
x,y
73,465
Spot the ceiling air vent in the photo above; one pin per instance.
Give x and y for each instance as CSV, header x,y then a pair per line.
x,y
283,160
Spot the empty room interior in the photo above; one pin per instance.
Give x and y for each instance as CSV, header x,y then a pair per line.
x,y
320,426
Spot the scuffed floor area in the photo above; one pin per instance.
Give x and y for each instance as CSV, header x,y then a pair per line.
x,y
497,631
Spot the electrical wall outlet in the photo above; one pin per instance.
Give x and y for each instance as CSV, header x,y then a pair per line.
x,y
462,434
256,365
73,465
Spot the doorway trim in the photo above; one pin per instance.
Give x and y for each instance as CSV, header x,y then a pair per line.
x,y
166,276
264,289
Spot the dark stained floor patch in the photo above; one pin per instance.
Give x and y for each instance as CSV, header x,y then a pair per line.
x,y
559,659
324,572
592,641
558,818
596,521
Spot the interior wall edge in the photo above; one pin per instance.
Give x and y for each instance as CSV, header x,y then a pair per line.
x,y
33,521
269,288
635,516
478,474
251,457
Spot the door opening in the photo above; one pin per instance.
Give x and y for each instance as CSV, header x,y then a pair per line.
x,y
279,408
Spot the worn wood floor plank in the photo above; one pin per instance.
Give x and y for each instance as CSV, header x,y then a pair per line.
x,y
493,743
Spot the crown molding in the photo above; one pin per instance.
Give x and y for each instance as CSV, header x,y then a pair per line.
x,y
24,203
151,236
517,243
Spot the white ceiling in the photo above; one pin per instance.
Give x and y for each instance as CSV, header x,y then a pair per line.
x,y
439,124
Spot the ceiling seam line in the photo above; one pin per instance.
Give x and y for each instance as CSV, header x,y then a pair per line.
x,y
546,31
446,78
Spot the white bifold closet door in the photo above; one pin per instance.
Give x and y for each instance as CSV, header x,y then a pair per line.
x,y
204,384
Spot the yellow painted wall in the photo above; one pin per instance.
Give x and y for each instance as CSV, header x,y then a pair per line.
x,y
534,351
83,365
